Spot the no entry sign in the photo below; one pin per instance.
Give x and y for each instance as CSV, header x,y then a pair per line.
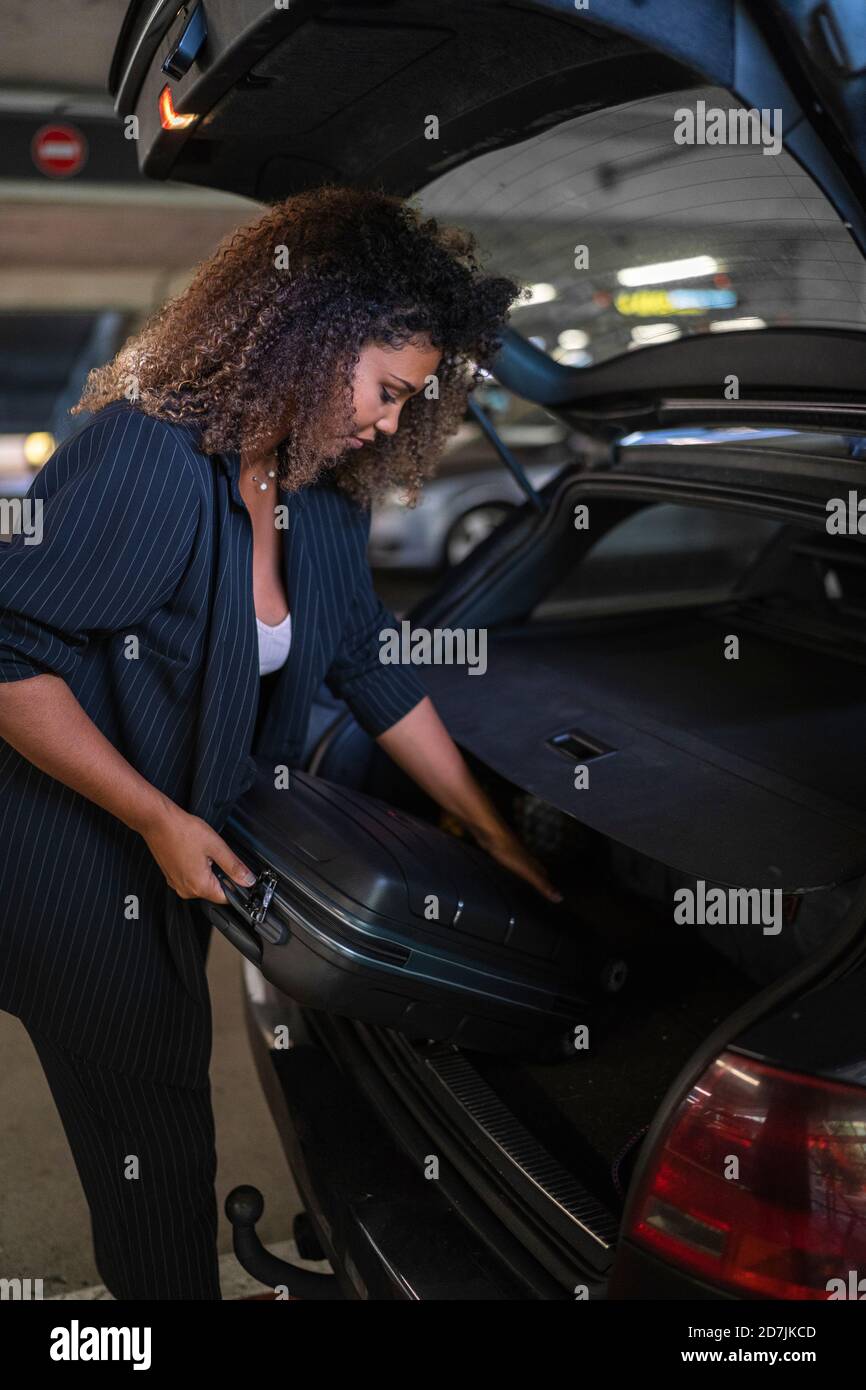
x,y
59,150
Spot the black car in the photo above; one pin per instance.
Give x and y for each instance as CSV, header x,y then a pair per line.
x,y
673,706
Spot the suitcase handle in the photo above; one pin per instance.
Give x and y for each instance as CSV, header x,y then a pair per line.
x,y
254,901
248,944
251,904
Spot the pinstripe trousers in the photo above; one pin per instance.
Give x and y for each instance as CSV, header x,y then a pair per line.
x,y
146,1157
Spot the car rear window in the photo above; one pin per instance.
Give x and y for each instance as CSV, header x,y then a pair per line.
x,y
663,555
679,238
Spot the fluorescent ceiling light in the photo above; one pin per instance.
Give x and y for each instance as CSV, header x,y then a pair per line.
x,y
727,325
573,339
541,293
667,270
572,357
654,332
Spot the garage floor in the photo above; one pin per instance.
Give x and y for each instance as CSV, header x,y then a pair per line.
x,y
44,1222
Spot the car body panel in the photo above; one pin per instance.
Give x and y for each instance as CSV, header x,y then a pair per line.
x,y
261,58
390,1231
718,39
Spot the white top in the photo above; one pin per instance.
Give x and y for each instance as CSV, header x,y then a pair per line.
x,y
274,643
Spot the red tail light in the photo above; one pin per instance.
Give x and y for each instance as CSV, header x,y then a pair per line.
x,y
795,1216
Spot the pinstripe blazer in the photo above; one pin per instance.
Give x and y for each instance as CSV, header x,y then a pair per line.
x,y
140,596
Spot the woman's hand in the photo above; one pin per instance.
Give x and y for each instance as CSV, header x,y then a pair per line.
x,y
504,846
184,846
423,747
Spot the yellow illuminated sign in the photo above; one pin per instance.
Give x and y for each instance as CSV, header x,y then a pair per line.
x,y
652,304
648,304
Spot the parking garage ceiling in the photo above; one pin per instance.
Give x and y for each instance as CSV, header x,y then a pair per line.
x,y
83,34
82,259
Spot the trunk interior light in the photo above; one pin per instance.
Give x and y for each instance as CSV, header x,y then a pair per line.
x,y
792,1224
170,119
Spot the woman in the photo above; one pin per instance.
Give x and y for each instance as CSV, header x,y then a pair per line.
x,y
217,498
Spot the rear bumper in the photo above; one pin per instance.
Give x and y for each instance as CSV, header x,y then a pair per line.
x,y
388,1231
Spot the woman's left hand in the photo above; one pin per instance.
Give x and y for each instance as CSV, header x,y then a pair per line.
x,y
420,744
504,846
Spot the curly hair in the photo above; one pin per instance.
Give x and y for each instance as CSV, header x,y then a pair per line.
x,y
271,326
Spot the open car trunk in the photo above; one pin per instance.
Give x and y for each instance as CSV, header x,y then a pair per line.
x,y
742,773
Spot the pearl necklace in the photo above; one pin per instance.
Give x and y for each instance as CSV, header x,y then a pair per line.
x,y
260,483
263,486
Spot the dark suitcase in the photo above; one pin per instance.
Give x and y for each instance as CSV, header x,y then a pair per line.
x,y
362,910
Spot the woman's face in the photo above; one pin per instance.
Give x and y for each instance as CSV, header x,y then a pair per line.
x,y
384,379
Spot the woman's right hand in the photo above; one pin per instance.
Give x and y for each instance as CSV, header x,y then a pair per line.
x,y
184,846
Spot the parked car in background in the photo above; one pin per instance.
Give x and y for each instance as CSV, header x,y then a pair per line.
x,y
469,496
